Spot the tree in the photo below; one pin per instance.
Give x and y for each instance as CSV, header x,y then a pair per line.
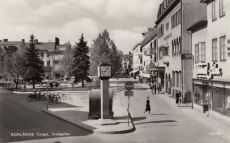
x,y
18,69
34,65
81,63
105,50
1,61
115,58
66,62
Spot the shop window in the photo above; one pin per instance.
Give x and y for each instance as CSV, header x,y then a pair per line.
x,y
222,48
198,94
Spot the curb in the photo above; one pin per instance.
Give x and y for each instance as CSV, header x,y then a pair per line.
x,y
95,130
84,128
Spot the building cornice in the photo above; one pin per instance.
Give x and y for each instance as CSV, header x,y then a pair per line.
x,y
167,11
206,1
198,24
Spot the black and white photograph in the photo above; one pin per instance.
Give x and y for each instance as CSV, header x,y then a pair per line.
x,y
114,71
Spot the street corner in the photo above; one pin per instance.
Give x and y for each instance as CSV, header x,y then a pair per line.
x,y
70,119
111,126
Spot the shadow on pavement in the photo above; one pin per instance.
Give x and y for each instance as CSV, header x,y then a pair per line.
x,y
64,105
161,121
138,118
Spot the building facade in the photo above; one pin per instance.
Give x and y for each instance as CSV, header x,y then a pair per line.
x,y
211,51
174,17
50,53
137,59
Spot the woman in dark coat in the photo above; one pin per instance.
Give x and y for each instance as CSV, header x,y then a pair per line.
x,y
148,108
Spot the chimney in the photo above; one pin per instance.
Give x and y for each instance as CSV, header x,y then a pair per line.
x,y
35,41
5,40
56,41
143,34
23,40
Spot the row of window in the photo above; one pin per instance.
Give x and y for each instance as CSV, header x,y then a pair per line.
x,y
176,79
221,9
200,50
176,19
176,47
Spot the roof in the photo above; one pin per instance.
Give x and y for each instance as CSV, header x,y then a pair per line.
x,y
162,12
149,38
140,43
46,46
197,24
10,43
206,1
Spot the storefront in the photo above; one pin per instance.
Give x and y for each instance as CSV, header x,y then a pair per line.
x,y
214,93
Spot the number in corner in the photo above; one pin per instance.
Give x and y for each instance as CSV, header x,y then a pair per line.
x,y
214,133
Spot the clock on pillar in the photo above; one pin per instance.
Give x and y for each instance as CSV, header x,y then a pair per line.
x,y
104,71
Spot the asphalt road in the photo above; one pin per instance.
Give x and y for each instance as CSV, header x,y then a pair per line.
x,y
167,123
21,120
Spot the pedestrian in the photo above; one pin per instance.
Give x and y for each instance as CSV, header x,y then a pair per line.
x,y
148,108
178,95
159,87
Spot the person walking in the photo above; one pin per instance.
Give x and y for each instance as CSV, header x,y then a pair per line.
x,y
148,108
151,87
178,95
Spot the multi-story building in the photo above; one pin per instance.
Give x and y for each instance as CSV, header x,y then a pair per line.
x,y
127,63
50,53
211,51
137,59
149,45
173,19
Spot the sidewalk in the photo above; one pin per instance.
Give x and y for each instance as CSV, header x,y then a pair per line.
x,y
76,113
220,124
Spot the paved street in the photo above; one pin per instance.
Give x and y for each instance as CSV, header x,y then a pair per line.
x,y
167,122
19,116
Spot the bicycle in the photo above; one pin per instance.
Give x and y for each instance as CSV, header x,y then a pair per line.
x,y
63,96
31,97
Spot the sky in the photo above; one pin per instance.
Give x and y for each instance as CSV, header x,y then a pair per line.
x,y
125,20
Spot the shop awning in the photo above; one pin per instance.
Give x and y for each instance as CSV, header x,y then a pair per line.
x,y
157,69
145,75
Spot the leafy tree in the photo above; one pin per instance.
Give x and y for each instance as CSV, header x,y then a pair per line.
x,y
66,62
18,69
1,61
81,63
6,66
105,50
115,58
35,70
